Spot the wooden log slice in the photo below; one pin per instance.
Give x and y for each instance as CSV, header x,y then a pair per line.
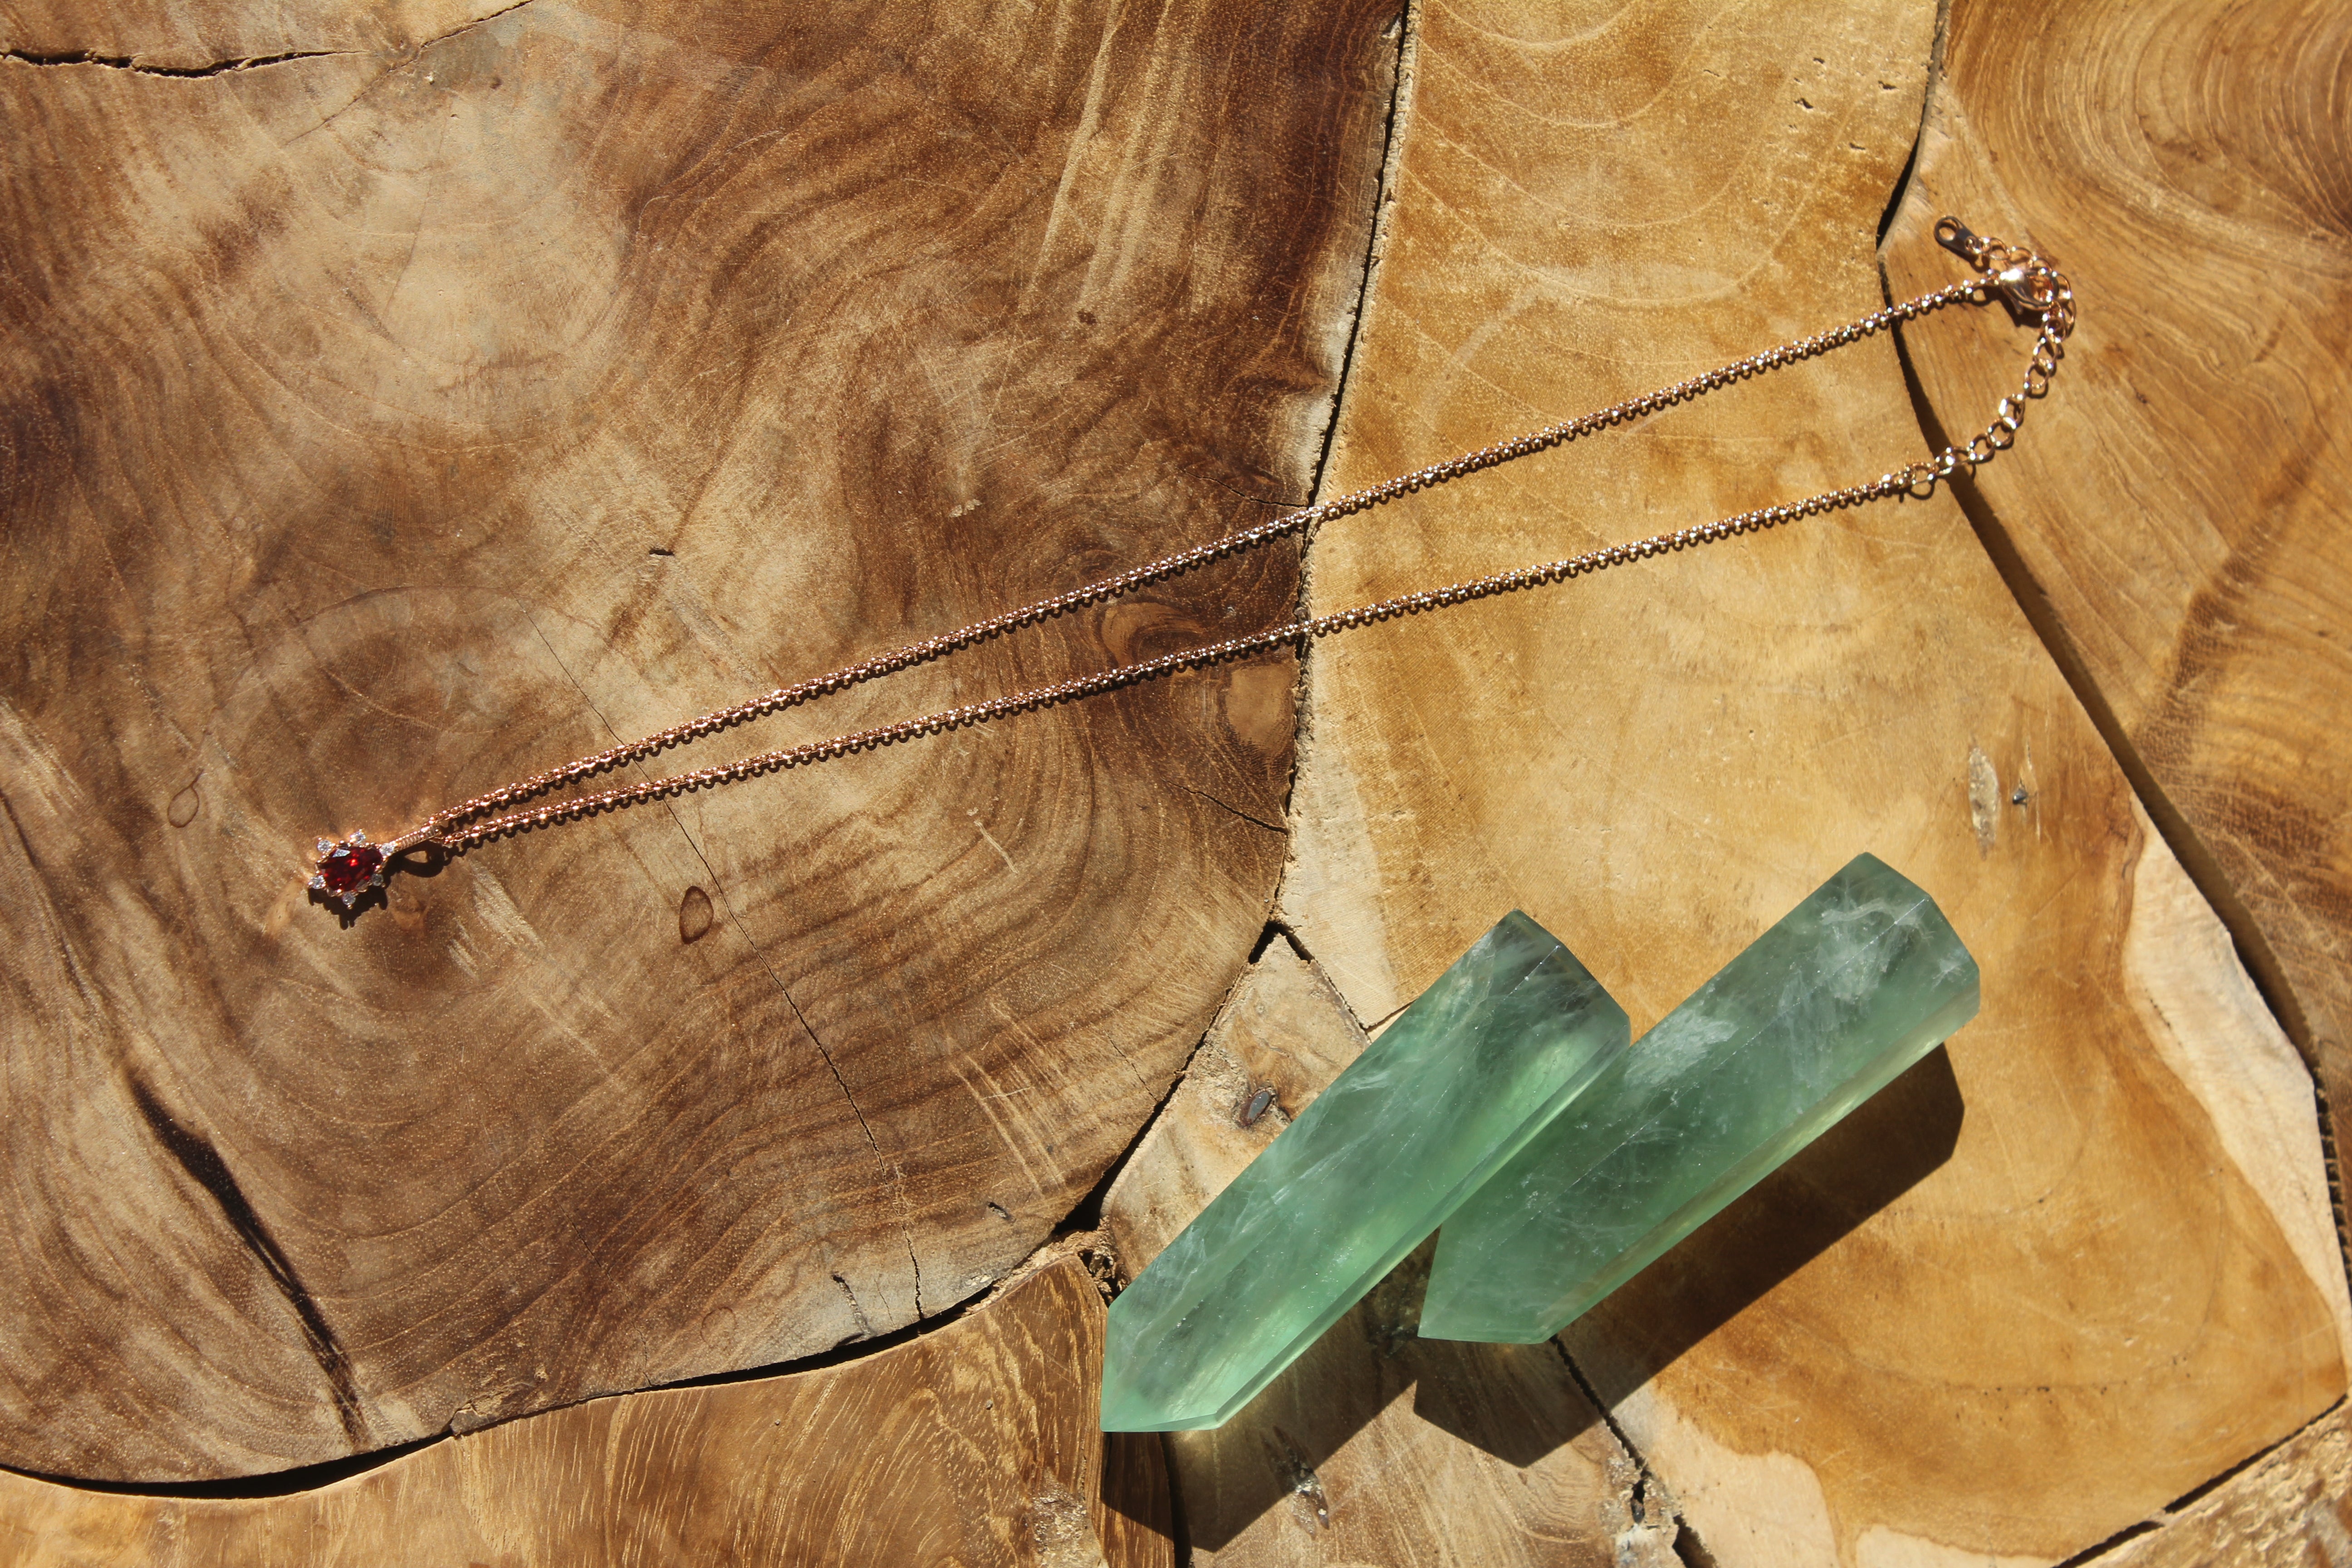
x,y
2082,1263
975,1445
381,425
2179,518
2293,1505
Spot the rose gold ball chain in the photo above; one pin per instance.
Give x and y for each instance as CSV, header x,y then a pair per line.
x,y
2033,291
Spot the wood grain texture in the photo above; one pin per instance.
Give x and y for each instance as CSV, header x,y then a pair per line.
x,y
1283,1032
379,426
2043,1287
187,37
1379,1447
973,1445
2179,520
2292,1509
1375,1446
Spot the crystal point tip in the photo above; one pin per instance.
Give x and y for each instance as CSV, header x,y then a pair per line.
x,y
1453,1087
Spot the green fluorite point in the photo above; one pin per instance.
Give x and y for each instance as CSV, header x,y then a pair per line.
x,y
1860,981
1453,1088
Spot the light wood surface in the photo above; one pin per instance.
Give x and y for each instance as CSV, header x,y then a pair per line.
x,y
386,424
974,1444
2043,1289
1283,1034
486,385
1378,1447
2180,523
2291,1507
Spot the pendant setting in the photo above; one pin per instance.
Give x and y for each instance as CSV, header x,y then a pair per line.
x,y
348,869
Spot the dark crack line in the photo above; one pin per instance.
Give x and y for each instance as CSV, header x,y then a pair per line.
x,y
736,921
726,903
1391,149
23,839
898,1178
310,1477
2186,844
801,1018
2179,1507
203,1166
2097,1550
1085,1217
2172,825
401,63
1646,1483
1901,190
1087,1214
184,73
477,22
1275,928
132,63
1391,155
1237,811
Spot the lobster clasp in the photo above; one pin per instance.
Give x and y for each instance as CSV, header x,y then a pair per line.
x,y
1961,241
2028,285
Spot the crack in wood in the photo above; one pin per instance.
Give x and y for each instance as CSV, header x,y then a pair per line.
x,y
205,1167
186,73
1213,800
2172,825
52,59
889,1167
1649,1495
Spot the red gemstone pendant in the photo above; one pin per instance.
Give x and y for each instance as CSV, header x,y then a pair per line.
x,y
348,869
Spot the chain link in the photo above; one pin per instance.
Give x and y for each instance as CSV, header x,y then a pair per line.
x,y
2033,291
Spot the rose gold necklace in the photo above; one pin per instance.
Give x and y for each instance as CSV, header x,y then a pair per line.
x,y
2035,293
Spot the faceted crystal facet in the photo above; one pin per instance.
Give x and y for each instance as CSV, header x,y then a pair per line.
x,y
347,868
1860,981
1462,1078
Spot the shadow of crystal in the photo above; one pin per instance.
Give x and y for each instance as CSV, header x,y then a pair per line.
x,y
1880,1151
1522,1403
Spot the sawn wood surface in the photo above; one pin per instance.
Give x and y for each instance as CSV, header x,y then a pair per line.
x,y
2179,525
973,1445
377,426
395,401
2082,1261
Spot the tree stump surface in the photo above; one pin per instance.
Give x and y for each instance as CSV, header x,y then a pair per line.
x,y
1986,1329
2178,522
386,424
975,1444
2293,1506
395,402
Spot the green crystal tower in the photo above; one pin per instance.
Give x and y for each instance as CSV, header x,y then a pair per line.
x,y
1860,981
1454,1086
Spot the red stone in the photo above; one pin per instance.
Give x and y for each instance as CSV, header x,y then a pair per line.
x,y
348,869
